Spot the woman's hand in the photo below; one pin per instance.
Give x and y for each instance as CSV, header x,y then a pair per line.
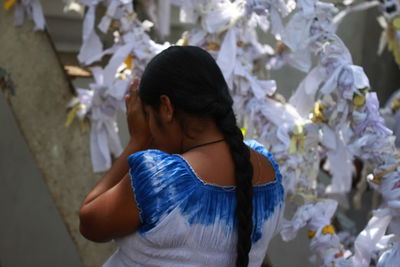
x,y
138,125
109,210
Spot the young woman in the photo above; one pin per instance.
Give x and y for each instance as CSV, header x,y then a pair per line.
x,y
187,190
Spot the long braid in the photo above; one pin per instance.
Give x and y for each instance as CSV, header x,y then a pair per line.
x,y
192,80
243,173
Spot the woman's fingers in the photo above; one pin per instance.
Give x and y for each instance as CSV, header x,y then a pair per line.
x,y
127,101
132,95
137,122
134,86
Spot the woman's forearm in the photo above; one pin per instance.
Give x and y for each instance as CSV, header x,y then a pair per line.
x,y
117,171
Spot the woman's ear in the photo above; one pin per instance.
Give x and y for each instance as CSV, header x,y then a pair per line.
x,y
166,109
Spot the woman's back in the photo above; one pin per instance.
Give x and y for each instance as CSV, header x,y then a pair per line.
x,y
183,108
188,214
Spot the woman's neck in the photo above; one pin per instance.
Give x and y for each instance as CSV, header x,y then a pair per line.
x,y
200,132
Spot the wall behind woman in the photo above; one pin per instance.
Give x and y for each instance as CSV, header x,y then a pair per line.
x,y
32,232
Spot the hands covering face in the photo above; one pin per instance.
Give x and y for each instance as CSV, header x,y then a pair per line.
x,y
138,125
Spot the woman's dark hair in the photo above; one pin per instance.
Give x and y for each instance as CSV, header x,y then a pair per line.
x,y
192,80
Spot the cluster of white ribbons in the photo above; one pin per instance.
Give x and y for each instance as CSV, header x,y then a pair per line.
x,y
332,115
130,53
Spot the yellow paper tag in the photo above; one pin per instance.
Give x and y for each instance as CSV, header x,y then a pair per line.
x,y
396,23
298,129
183,41
71,115
9,4
395,105
240,43
213,46
297,140
359,100
318,113
328,230
129,62
393,44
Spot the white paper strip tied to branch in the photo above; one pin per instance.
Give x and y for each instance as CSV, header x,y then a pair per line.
x,y
100,107
282,55
335,71
316,215
344,79
220,16
119,56
104,139
247,85
116,9
390,257
227,56
305,30
391,114
373,119
137,46
349,79
30,8
333,58
164,17
74,5
324,241
341,164
119,10
390,22
390,190
368,239
92,46
130,53
291,140
190,10
273,10
232,39
283,116
372,241
303,98
334,61
85,98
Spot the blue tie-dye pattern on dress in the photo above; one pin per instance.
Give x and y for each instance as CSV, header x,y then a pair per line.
x,y
164,182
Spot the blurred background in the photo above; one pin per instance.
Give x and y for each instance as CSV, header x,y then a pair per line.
x,y
33,228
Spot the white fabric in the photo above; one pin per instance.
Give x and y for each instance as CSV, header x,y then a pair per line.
x,y
184,247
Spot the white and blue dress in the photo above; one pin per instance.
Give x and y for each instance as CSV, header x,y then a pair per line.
x,y
188,222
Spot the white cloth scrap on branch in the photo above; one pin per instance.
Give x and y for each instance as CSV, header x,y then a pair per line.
x,y
32,9
104,139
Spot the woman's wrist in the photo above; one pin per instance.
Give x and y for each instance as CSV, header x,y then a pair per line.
x,y
117,171
135,145
132,147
